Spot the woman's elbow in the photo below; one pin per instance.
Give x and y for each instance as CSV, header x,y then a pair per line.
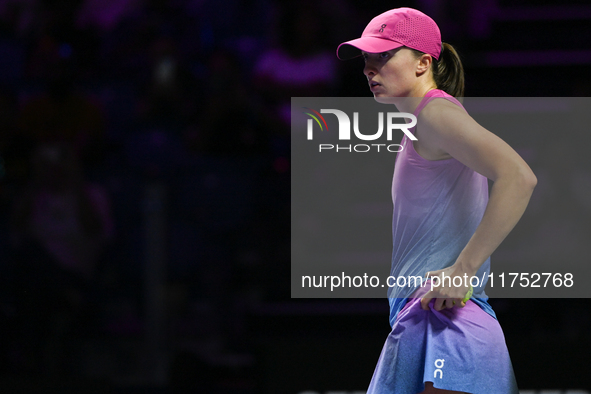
x,y
528,179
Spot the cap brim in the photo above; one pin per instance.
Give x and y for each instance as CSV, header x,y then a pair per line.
x,y
350,49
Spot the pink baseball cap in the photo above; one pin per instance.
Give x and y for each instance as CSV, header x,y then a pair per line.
x,y
395,28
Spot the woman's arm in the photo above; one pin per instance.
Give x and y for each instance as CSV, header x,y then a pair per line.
x,y
447,130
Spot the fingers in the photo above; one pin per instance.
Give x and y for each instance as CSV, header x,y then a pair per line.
x,y
441,303
458,303
447,303
441,296
425,302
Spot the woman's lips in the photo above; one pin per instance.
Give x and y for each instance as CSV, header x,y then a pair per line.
x,y
374,85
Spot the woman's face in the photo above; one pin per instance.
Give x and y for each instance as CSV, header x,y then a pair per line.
x,y
392,73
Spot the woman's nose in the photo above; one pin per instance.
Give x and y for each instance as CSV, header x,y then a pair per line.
x,y
369,70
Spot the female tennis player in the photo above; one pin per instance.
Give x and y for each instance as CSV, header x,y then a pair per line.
x,y
444,339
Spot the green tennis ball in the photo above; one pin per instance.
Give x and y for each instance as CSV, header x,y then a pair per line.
x,y
468,295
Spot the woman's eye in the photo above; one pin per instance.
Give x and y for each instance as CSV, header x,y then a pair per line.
x,y
384,55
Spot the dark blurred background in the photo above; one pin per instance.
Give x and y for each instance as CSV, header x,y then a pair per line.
x,y
145,190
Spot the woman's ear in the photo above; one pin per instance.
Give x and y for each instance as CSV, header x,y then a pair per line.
x,y
424,62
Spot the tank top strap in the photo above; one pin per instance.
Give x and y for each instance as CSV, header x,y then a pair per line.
x,y
433,94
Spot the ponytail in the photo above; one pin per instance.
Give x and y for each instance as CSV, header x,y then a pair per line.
x,y
448,71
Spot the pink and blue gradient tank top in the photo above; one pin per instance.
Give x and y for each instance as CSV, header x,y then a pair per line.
x,y
437,206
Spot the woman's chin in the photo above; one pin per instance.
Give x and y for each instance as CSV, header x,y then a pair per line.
x,y
383,99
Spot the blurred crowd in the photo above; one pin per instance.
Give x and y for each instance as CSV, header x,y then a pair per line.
x,y
118,113
101,104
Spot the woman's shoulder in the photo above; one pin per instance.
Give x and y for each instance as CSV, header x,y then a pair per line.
x,y
442,121
439,107
438,97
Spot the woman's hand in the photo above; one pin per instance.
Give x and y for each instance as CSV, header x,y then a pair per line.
x,y
444,291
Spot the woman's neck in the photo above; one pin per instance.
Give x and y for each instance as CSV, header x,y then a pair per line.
x,y
413,99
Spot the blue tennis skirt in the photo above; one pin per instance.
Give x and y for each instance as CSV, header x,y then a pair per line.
x,y
459,349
